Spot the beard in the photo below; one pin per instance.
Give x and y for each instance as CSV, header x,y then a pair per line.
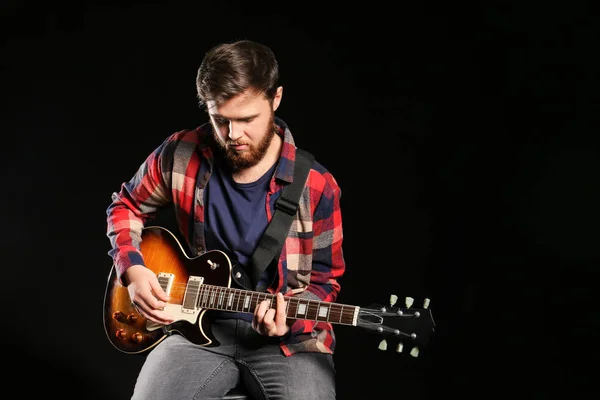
x,y
251,156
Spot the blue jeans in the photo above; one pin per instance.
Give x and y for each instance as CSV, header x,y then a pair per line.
x,y
177,369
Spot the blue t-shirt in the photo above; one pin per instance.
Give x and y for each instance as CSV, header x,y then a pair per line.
x,y
236,216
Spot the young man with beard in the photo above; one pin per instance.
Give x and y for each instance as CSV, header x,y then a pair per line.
x,y
223,179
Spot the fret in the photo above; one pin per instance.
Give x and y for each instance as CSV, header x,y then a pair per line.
x,y
259,298
251,301
202,299
264,297
308,310
273,302
300,309
204,296
323,314
294,305
214,297
239,297
345,316
217,291
341,312
218,296
221,296
211,301
256,300
243,300
230,300
246,301
334,310
211,296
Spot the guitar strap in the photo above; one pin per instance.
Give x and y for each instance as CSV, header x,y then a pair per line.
x,y
274,237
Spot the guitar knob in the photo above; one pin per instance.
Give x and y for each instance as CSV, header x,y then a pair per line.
x,y
132,318
414,352
137,337
393,299
409,302
383,345
426,303
120,334
399,348
118,315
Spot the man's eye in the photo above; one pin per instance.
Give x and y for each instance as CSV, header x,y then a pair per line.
x,y
220,121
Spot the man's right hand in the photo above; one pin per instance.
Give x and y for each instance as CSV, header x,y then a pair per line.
x,y
146,294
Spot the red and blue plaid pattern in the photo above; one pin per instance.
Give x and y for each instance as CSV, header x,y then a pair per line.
x,y
177,172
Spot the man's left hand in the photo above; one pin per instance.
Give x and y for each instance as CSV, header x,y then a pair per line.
x,y
271,321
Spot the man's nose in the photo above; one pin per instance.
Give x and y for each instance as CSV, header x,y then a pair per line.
x,y
235,131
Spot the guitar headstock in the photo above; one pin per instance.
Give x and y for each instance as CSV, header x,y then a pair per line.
x,y
399,325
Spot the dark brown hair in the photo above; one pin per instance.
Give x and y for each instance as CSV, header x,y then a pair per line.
x,y
229,69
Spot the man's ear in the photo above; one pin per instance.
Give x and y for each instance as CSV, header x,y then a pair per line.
x,y
277,98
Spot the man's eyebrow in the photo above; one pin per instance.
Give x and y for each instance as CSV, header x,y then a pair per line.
x,y
216,115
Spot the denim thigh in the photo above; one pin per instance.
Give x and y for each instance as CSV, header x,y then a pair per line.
x,y
269,374
179,369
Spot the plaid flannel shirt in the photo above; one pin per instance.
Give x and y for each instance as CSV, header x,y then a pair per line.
x,y
177,172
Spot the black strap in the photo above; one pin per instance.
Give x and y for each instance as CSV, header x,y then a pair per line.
x,y
286,206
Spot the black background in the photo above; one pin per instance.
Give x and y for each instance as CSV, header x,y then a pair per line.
x,y
463,136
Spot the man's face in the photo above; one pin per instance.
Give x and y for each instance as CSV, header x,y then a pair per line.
x,y
244,127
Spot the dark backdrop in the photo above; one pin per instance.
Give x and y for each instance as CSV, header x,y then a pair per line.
x,y
464,138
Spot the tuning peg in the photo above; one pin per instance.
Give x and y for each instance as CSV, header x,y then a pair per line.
x,y
383,345
426,303
409,301
393,299
415,351
399,347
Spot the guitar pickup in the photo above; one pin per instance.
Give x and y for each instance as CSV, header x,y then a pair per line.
x,y
192,292
166,281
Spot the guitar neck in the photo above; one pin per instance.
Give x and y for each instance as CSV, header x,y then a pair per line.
x,y
239,300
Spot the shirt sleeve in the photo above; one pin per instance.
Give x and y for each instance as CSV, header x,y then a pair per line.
x,y
327,267
327,259
138,201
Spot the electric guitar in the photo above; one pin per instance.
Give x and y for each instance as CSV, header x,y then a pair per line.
x,y
201,284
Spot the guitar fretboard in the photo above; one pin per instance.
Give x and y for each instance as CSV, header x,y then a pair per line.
x,y
239,300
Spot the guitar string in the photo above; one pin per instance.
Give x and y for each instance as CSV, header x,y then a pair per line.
x,y
267,296
336,313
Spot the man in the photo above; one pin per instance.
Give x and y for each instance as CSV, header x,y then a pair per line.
x,y
223,179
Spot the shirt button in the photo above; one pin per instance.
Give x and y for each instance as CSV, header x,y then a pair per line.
x,y
197,219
